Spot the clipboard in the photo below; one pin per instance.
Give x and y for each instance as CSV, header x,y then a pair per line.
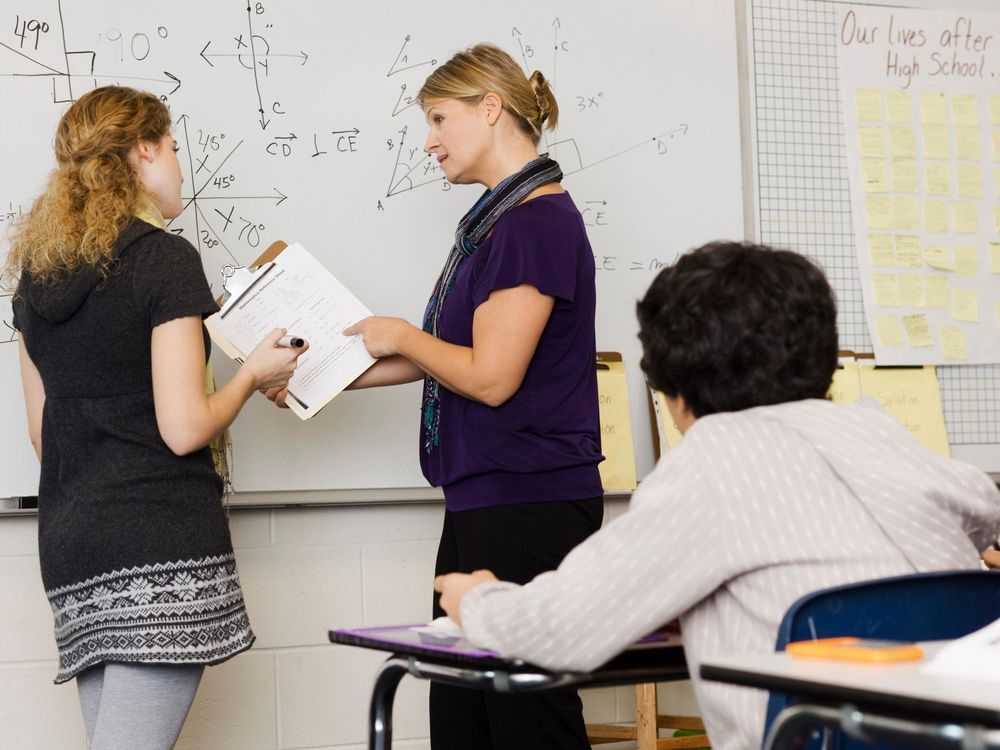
x,y
287,286
617,470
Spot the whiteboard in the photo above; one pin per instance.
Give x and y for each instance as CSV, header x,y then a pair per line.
x,y
296,122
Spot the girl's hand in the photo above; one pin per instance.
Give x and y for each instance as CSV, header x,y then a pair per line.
x,y
382,336
271,365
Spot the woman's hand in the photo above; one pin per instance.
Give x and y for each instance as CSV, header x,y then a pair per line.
x,y
277,395
382,336
271,365
454,586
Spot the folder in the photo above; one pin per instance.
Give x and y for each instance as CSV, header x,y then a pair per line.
x,y
618,468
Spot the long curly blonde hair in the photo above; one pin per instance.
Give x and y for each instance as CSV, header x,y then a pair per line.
x,y
94,190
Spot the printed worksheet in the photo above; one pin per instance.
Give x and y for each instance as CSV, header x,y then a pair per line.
x,y
296,292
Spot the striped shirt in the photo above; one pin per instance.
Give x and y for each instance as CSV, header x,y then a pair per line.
x,y
751,511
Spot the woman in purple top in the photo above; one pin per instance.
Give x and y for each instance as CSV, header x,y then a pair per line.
x,y
509,422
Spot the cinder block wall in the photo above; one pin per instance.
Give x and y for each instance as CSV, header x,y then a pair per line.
x,y
303,570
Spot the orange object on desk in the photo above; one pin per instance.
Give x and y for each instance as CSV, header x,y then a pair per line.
x,y
856,649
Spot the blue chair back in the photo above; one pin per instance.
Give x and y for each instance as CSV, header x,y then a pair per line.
x,y
919,607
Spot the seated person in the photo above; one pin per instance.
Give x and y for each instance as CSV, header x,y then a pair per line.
x,y
774,491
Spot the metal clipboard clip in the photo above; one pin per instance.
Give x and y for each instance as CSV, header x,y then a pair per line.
x,y
237,281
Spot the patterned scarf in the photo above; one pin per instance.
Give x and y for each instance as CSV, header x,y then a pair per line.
x,y
472,230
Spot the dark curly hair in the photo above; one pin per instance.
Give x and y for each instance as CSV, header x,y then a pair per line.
x,y
730,326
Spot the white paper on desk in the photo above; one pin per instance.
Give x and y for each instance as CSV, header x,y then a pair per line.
x,y
296,292
975,656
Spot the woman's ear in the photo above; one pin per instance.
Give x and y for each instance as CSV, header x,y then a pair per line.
x,y
143,151
493,106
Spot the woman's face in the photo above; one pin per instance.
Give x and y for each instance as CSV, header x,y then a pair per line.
x,y
160,173
459,138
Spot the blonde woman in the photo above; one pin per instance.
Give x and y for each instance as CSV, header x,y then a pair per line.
x,y
506,350
134,544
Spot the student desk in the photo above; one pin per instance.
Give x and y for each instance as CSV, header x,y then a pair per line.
x,y
886,701
658,658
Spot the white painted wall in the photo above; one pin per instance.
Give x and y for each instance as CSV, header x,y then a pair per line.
x,y
303,570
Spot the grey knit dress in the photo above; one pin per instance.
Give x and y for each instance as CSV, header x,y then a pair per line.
x,y
134,544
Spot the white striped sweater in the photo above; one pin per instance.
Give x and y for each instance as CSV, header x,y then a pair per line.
x,y
751,511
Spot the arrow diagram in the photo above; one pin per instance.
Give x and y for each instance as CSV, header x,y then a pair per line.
x,y
680,130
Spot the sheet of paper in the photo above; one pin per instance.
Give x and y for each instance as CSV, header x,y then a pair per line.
x,y
618,467
935,140
933,108
937,136
938,178
846,385
975,657
296,292
913,397
880,246
667,432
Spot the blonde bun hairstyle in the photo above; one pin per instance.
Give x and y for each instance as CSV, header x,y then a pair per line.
x,y
473,73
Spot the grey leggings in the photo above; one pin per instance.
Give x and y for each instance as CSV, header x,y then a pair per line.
x,y
136,706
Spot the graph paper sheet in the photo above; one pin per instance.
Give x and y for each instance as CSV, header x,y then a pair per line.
x,y
803,193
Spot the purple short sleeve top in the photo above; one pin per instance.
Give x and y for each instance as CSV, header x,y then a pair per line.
x,y
544,442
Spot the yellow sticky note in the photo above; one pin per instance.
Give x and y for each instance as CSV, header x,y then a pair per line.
x,y
935,140
905,212
909,254
937,291
901,141
886,289
965,305
871,141
913,397
889,333
933,108
966,260
995,109
904,176
880,247
964,218
938,177
938,256
617,470
875,175
995,257
878,211
967,144
953,342
869,105
899,106
846,387
970,181
917,330
995,145
911,291
935,216
964,110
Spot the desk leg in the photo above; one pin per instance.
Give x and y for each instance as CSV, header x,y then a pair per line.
x,y
795,721
380,713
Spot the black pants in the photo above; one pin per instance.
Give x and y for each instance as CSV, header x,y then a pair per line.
x,y
517,542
